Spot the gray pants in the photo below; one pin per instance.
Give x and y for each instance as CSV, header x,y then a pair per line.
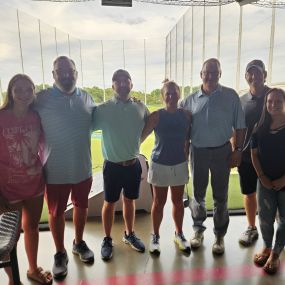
x,y
269,201
215,160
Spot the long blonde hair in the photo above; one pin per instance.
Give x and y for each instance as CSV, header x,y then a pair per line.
x,y
9,101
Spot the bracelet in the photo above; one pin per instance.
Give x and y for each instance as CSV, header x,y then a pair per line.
x,y
239,149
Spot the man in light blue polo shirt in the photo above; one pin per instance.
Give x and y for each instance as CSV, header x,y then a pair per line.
x,y
216,112
121,120
66,112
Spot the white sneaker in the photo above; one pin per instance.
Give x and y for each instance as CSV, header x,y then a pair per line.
x,y
154,247
197,239
182,243
218,246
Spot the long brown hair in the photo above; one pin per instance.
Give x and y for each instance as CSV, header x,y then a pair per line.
x,y
264,123
9,101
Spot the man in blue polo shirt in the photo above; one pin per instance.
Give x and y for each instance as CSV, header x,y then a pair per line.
x,y
216,112
66,112
121,120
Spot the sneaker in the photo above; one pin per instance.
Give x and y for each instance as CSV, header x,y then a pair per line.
x,y
154,247
249,236
59,269
107,248
182,243
134,242
85,254
197,239
218,246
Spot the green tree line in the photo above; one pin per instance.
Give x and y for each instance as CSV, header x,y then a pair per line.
x,y
152,98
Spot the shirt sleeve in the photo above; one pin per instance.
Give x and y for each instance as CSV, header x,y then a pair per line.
x,y
239,117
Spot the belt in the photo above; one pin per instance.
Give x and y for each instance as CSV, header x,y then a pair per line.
x,y
220,146
127,162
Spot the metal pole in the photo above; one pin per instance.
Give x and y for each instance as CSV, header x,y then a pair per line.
x,y
124,56
170,69
204,33
272,34
192,49
219,32
144,42
41,49
55,38
183,54
239,50
176,52
103,70
81,64
68,41
1,92
165,56
20,41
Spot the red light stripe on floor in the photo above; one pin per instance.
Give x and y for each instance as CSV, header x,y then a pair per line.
x,y
181,276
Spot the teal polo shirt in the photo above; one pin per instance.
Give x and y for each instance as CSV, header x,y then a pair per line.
x,y
121,124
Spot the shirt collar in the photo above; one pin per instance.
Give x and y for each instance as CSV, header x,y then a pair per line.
x,y
117,100
264,91
201,93
59,92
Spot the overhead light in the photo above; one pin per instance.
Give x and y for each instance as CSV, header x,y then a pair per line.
x,y
245,2
121,3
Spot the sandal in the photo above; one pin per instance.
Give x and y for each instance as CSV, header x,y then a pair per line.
x,y
41,276
272,265
260,258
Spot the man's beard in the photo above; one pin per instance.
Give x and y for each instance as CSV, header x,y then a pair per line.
x,y
124,92
67,85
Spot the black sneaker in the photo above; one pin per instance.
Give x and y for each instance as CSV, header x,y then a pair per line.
x,y
107,248
85,254
59,269
134,242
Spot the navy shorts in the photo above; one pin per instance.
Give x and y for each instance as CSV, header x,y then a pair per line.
x,y
118,177
247,178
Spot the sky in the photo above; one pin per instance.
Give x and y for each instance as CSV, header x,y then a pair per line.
x,y
117,29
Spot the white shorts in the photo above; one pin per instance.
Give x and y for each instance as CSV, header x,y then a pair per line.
x,y
165,175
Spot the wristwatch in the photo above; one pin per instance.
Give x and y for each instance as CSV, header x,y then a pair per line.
x,y
238,149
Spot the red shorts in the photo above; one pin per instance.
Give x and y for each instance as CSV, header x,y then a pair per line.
x,y
57,196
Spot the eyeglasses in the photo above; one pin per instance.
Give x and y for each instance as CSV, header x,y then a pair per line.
x,y
65,71
212,73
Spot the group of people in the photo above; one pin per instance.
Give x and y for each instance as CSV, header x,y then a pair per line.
x,y
45,150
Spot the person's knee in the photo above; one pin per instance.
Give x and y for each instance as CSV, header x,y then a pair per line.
x,y
158,204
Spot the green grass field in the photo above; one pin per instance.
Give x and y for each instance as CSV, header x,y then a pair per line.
x,y
235,197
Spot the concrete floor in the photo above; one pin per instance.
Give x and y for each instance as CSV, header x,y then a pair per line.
x,y
235,267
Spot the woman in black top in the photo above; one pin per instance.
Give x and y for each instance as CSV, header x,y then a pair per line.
x,y
268,157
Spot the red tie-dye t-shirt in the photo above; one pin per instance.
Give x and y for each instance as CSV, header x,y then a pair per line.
x,y
21,172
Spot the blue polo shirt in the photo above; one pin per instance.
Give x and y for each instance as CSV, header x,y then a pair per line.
x,y
214,116
66,122
121,124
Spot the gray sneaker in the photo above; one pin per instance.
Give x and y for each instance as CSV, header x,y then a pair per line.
x,y
249,236
82,250
134,242
59,269
197,239
107,248
218,246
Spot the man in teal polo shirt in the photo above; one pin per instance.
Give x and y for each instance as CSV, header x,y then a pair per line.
x,y
121,120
